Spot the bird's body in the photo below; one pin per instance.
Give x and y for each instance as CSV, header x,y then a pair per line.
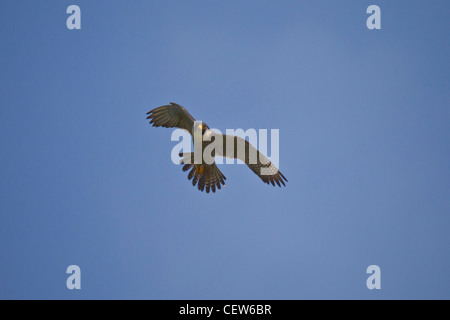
x,y
205,173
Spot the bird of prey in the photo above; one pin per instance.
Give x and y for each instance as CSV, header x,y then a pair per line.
x,y
208,176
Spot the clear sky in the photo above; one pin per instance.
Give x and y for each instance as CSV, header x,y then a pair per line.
x,y
364,119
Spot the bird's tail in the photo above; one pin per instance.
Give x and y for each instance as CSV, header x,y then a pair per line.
x,y
208,176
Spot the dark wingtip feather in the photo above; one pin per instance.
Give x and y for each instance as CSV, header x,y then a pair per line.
x,y
191,174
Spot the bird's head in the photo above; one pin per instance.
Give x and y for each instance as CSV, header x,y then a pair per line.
x,y
203,127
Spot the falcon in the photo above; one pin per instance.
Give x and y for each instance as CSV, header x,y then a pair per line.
x,y
207,176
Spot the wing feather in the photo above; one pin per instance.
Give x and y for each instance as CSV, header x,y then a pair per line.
x,y
255,160
171,116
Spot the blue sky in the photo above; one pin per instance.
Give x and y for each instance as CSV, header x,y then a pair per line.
x,y
364,142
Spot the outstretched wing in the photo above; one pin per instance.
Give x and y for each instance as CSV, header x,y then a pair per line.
x,y
171,116
243,150
206,175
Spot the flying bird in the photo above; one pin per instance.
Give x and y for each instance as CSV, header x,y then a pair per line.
x,y
208,176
